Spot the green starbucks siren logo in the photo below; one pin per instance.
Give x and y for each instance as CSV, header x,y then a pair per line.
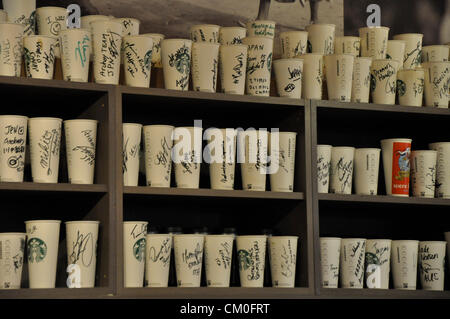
x,y
401,87
372,259
37,250
139,249
245,260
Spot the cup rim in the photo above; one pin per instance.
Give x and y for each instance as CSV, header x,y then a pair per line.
x,y
344,147
158,235
324,145
135,222
44,118
83,222
284,236
51,7
312,54
423,151
288,59
399,139
348,239
158,125
432,242
406,240
293,32
435,45
380,239
220,235
330,238
261,21
252,236
80,121
320,24
435,143
154,34
368,149
132,124
15,116
188,235
234,27
374,27
43,221
407,34
13,234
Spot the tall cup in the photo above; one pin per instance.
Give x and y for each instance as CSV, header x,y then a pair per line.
x,y
341,170
431,264
251,253
157,259
313,75
81,138
261,28
39,56
435,53
205,62
283,259
396,153
282,163
75,54
233,68
81,238
85,22
404,263
437,79
321,38
130,26
323,168
396,51
187,156
176,60
330,250
293,44
288,75
11,261
367,164
3,16
23,12
377,264
134,233
423,173
205,33
188,259
45,144
361,80
137,58
347,45
11,41
156,51
218,259
42,252
413,49
410,86
339,76
442,169
13,137
383,81
352,262
231,35
51,21
132,133
374,41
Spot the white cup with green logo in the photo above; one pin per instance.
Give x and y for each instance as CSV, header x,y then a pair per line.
x,y
367,164
42,252
282,161
339,76
413,49
383,81
423,173
75,54
205,66
137,57
374,41
11,50
293,44
134,233
410,86
187,156
361,80
330,250
321,38
437,77
157,259
443,167
205,33
396,51
156,51
347,45
23,12
431,264
283,259
11,259
251,254
218,259
404,263
231,35
261,28
377,264
132,133
188,259
323,168
341,169
39,55
176,61
313,76
233,68
352,262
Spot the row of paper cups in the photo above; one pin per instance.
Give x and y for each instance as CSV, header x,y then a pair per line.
x,y
359,263
41,241
45,143
151,253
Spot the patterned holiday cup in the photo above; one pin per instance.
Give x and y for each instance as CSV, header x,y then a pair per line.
x,y
288,75
39,56
157,259
435,53
330,250
313,75
42,252
404,264
443,169
156,51
231,35
352,262
293,44
188,259
374,41
45,144
11,261
321,38
396,51
205,33
205,62
361,80
423,173
432,264
251,254
218,259
323,168
377,264
437,79
261,28
341,170
134,233
132,133
23,12
137,57
130,26
75,54
11,49
413,49
233,68
347,45
176,60
410,86
51,21
383,81
283,259
339,76
282,147
367,164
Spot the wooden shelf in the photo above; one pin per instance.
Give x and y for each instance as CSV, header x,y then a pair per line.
x,y
384,199
382,294
51,187
56,293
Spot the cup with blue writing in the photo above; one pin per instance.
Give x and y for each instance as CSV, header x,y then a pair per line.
x,y
251,254
323,168
431,264
233,68
261,28
132,133
11,259
218,259
283,260
377,264
367,164
75,54
157,259
404,264
352,262
188,259
341,170
134,243
423,173
288,75
330,250
137,60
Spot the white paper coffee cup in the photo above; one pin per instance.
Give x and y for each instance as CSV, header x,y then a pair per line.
x,y
42,252
367,164
251,254
288,75
218,259
137,58
11,261
352,262
75,54
321,38
282,161
293,44
39,55
23,12
404,263
435,53
233,68
383,81
85,22
396,164
3,16
11,55
188,259
313,75
205,33
431,264
339,76
341,170
377,263
130,26
176,60
157,259
261,28
410,86
423,173
134,233
347,45
330,250
437,78
396,51
231,35
187,156
361,80
156,52
413,49
50,21
132,133
205,63
443,167
283,259
323,168
374,41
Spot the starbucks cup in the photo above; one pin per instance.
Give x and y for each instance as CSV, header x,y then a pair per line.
x,y
137,54
361,80
134,233
39,56
431,264
404,263
339,76
437,78
251,254
435,53
205,33
157,259
81,238
23,12
132,133
282,161
443,169
205,60
50,22
106,41
42,252
187,156
218,259
396,51
283,258
330,249
413,49
293,44
259,64
261,28
81,137
341,172
156,52
11,55
352,262
347,45
85,23
233,68
323,168
313,75
11,261
377,264
188,259
367,163
45,144
423,173
3,16
130,26
176,60
410,86
383,80
321,38
13,137
396,153
158,154
374,41
252,154
288,75
75,54
231,35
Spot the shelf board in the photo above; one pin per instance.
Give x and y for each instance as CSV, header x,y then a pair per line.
x,y
382,294
384,199
56,293
54,187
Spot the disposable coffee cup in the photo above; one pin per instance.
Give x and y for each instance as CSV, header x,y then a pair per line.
x,y
3,16
158,154
156,52
11,261
410,86
188,259
132,133
23,12
251,254
435,53
323,168
361,80
339,76
413,49
233,68
396,153
13,137
11,55
45,145
288,75
39,56
423,173
51,21
396,51
157,259
321,38
42,252
341,170
377,263
137,57
431,264
81,138
313,75
330,250
75,54
85,22
205,33
283,259
205,62
367,164
293,44
383,81
134,233
187,156
282,161
261,28
404,264
442,169
176,60
347,45
437,77
218,259
81,238
231,35
352,262
130,26
374,41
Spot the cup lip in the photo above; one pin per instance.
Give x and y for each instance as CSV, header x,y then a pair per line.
x,y
13,23
83,222
158,235
423,151
45,119
154,34
252,236
344,147
348,239
80,121
188,235
435,45
324,145
288,59
137,36
15,116
135,222
32,36
13,234
396,139
206,44
407,34
43,221
51,7
293,32
368,149
158,125
220,235
261,21
380,239
435,143
284,237
320,24
374,27
406,240
432,242
132,124
176,39
330,238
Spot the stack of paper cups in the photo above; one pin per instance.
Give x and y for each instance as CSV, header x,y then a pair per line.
x,y
75,54
313,75
137,58
437,79
383,81
39,55
347,45
396,51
